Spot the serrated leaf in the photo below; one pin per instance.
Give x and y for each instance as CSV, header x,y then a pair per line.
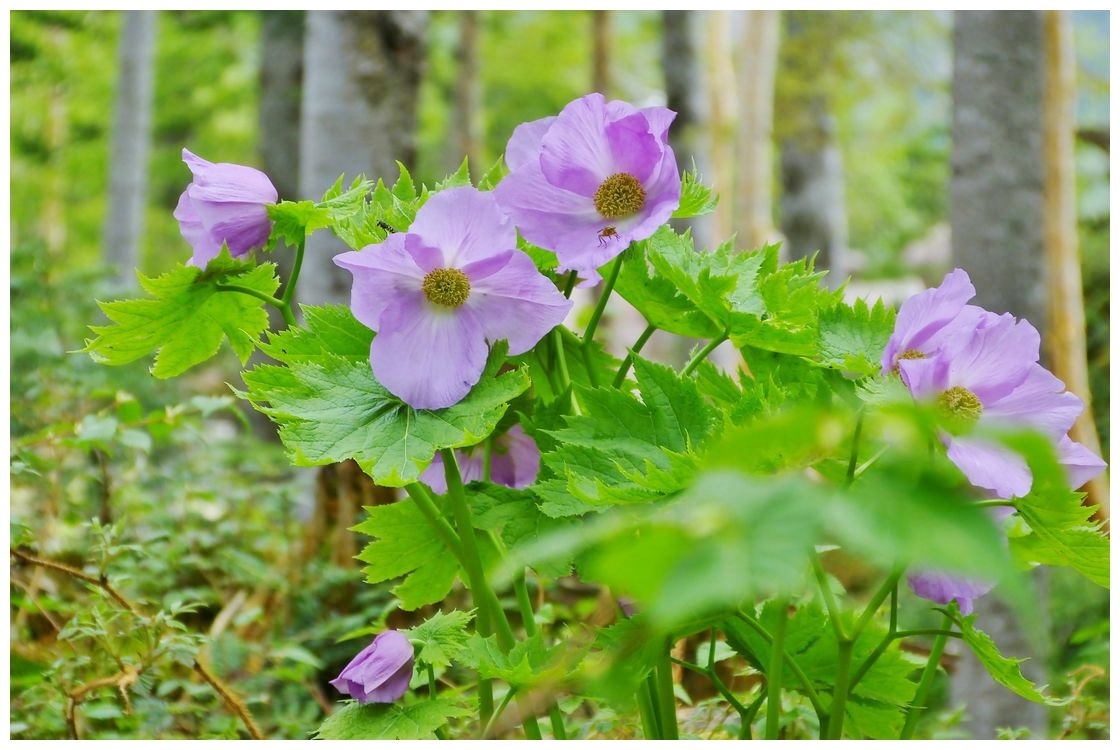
x,y
442,638
529,662
1063,531
697,198
514,516
461,177
330,408
329,330
626,450
377,721
853,338
1003,670
187,317
406,546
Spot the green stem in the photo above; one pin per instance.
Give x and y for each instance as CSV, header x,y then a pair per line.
x,y
422,496
701,355
293,279
648,713
557,720
562,361
926,682
806,683
752,711
495,714
666,699
268,299
840,689
484,597
601,305
876,601
826,594
774,674
620,378
854,457
570,283
995,503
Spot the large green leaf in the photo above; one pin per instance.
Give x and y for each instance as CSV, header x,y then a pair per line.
x,y
379,721
442,638
187,316
405,546
1003,670
853,338
330,407
697,198
623,449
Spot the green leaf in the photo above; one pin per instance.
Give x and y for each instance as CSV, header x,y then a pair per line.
x,y
1062,531
697,198
187,317
378,721
388,210
460,178
442,638
853,338
293,221
514,516
529,662
626,450
1003,670
406,546
330,407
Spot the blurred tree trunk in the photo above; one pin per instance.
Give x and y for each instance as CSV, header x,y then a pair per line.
x,y
131,142
1065,343
467,103
600,52
686,88
362,72
996,205
756,65
281,79
723,114
813,209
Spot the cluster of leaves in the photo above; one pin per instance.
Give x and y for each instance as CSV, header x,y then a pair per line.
x,y
703,497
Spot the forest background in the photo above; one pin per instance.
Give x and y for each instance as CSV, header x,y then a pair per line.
x,y
833,133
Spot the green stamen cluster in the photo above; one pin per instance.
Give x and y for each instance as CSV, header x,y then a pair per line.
x,y
961,403
620,195
449,287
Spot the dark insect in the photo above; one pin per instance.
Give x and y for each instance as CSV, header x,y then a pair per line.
x,y
386,227
606,233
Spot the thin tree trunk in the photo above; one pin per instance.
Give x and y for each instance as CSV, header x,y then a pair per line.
x,y
1066,320
131,142
361,84
756,65
723,114
996,201
468,128
600,54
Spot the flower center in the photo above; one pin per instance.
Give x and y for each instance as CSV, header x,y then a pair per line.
x,y
449,287
620,195
908,354
961,403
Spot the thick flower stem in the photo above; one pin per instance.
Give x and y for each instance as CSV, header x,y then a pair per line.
x,y
667,703
806,683
702,355
562,361
484,597
650,727
421,495
840,689
293,279
774,674
601,305
620,378
926,681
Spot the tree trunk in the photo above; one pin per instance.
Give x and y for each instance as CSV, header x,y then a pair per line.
x,y
814,216
756,65
131,142
1065,323
723,114
468,127
600,52
996,201
362,73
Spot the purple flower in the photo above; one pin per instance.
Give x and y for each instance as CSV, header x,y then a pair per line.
x,y
439,292
1080,463
380,673
930,318
589,181
224,203
943,588
515,462
992,377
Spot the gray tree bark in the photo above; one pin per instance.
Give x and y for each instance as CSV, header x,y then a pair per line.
x,y
362,72
281,79
468,132
814,216
131,143
996,208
